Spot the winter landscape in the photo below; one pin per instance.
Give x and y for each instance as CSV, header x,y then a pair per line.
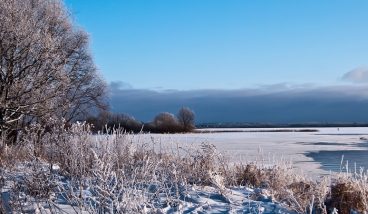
x,y
255,171
316,153
185,106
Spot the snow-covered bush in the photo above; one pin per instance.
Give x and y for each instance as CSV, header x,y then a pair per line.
x,y
349,193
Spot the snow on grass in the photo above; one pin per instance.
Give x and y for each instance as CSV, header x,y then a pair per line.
x,y
73,171
196,199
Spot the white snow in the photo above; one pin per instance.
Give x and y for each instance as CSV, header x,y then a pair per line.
x,y
198,199
239,147
269,147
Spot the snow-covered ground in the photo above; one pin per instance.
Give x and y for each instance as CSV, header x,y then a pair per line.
x,y
194,199
315,153
312,152
235,200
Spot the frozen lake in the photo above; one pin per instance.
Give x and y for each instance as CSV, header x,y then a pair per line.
x,y
315,153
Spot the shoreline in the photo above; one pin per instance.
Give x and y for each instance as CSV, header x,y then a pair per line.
x,y
198,131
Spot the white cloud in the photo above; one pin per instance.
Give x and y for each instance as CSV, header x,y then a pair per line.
x,y
357,75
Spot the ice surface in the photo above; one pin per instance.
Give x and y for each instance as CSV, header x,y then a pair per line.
x,y
308,151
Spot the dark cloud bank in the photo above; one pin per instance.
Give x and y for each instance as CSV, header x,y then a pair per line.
x,y
267,104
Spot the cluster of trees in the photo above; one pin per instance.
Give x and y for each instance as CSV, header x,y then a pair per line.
x,y
164,122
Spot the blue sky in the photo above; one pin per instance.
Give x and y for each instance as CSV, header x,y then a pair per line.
x,y
212,44
262,61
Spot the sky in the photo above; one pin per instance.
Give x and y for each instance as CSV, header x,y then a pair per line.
x,y
208,50
203,44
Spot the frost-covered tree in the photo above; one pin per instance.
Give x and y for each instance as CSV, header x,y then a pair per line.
x,y
186,118
46,69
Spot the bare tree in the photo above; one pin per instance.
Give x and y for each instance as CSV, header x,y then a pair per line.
x,y
46,70
186,119
86,88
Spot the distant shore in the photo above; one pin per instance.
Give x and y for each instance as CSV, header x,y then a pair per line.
x,y
276,125
256,130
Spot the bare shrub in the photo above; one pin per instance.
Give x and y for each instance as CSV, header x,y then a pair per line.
x,y
108,121
38,184
284,185
203,163
249,175
10,155
166,123
349,194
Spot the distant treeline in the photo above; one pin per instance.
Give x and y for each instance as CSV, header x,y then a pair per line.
x,y
268,125
165,122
